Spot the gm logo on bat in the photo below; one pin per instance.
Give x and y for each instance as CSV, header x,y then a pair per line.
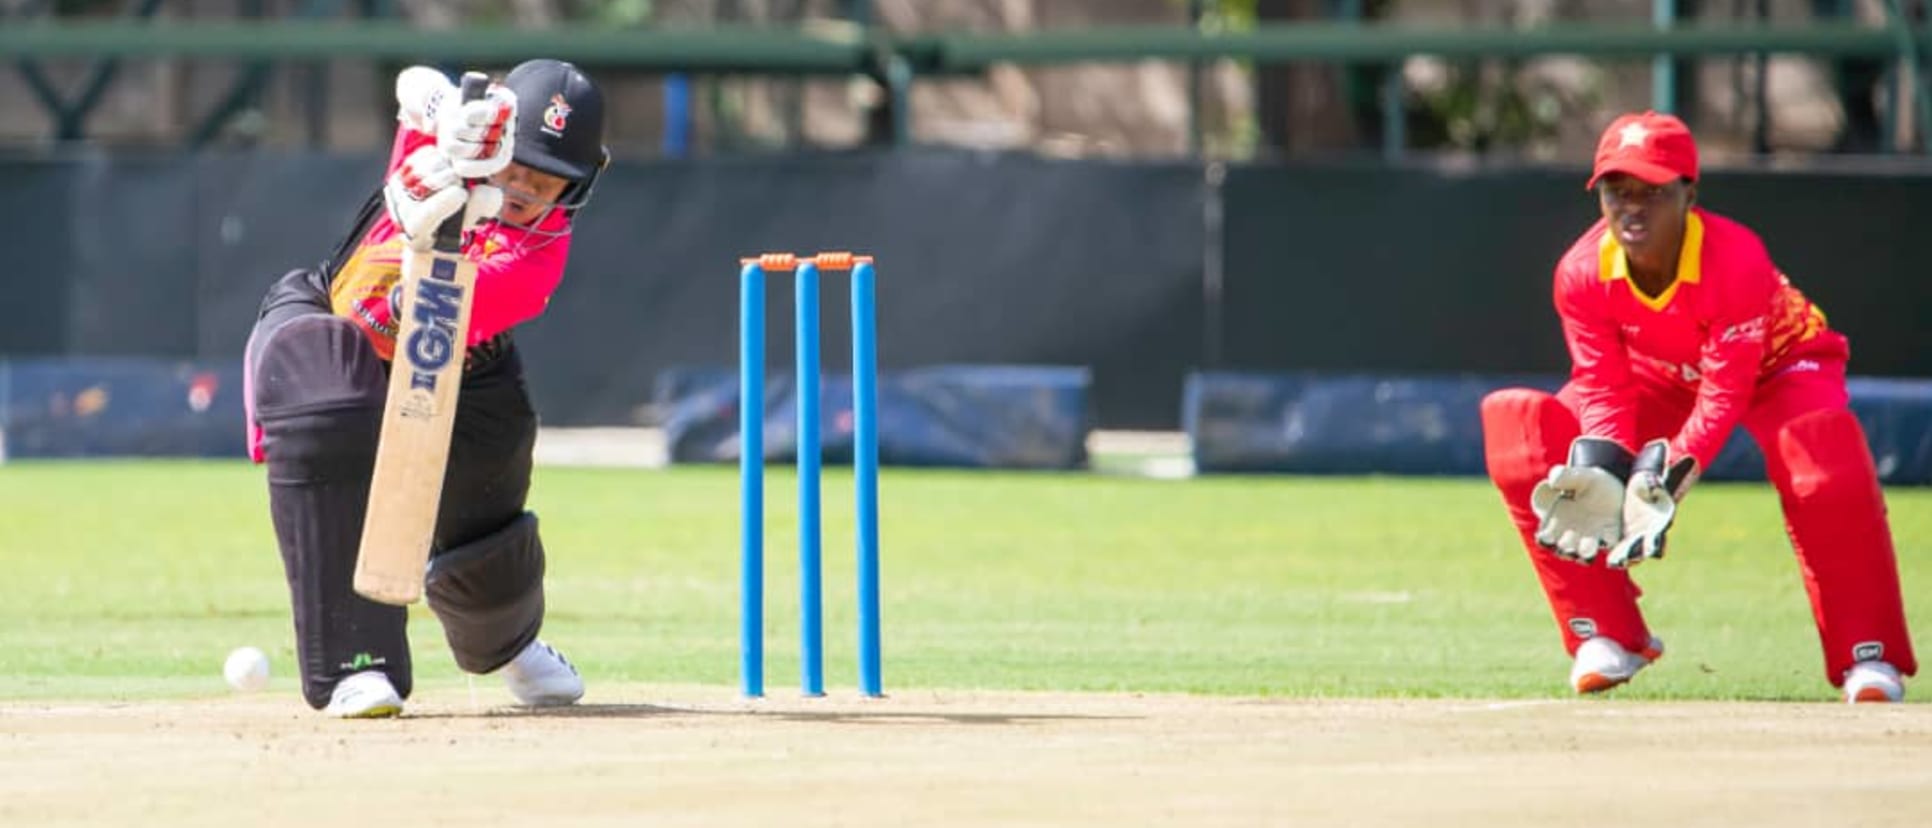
x,y
433,344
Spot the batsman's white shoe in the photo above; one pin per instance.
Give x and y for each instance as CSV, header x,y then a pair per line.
x,y
1602,663
364,695
540,677
1873,681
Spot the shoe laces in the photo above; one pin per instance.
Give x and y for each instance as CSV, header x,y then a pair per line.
x,y
554,654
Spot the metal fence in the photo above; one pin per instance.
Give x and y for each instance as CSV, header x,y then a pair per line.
x,y
897,63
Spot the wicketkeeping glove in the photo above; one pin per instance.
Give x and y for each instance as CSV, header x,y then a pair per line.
x,y
1657,482
1580,504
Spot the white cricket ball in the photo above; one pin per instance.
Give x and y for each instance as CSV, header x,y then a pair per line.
x,y
246,669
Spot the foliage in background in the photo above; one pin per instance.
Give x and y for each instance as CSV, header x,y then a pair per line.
x,y
1501,105
1228,15
1475,106
622,13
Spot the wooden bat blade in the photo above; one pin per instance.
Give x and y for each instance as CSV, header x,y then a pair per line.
x,y
425,374
406,489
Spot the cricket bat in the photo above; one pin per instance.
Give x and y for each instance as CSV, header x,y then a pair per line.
x,y
406,490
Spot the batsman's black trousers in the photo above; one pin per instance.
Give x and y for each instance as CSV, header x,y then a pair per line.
x,y
319,388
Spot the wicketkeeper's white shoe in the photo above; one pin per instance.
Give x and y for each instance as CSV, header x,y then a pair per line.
x,y
364,695
1873,681
540,677
1602,663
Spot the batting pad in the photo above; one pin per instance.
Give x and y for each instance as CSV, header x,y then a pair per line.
x,y
489,595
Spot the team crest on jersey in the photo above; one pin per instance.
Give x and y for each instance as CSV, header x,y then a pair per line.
x,y
557,115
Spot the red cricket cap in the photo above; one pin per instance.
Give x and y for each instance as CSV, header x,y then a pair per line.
x,y
1655,148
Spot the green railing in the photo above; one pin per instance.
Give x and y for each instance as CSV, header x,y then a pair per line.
x,y
895,62
1384,43
838,49
729,49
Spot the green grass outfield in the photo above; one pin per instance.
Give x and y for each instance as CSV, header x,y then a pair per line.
x,y
133,580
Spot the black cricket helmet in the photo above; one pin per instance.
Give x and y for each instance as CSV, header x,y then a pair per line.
x,y
560,125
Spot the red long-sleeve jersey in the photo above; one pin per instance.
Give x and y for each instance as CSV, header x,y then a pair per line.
x,y
515,275
1729,319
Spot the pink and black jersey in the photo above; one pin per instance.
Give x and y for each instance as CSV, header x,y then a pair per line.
x,y
515,274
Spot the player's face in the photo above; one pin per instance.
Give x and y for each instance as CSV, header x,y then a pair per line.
x,y
1648,219
527,193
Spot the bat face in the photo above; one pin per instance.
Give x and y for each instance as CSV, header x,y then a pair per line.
x,y
405,492
406,489
432,344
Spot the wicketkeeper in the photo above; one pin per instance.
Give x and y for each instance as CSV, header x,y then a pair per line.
x,y
1681,329
317,365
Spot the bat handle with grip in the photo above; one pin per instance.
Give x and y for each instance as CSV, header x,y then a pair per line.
x,y
473,85
449,234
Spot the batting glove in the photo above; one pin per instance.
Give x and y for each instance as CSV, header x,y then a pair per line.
x,y
478,136
426,189
1579,506
420,91
1657,483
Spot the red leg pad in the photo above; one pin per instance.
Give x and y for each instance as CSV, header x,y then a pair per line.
x,y
1525,432
1835,514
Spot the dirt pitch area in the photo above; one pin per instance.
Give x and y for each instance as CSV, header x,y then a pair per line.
x,y
674,756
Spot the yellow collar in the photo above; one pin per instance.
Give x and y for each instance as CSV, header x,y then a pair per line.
x,y
1613,264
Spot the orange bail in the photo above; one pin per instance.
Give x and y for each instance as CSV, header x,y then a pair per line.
x,y
773,261
836,260
839,260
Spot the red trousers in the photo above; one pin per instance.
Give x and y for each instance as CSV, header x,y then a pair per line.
x,y
1815,455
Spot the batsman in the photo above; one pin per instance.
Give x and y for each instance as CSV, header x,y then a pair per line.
x,y
1681,329
516,164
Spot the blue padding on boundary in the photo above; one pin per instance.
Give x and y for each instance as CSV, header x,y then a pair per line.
x,y
1009,417
1897,416
1335,424
120,407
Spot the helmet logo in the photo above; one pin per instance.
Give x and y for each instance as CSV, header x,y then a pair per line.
x,y
557,115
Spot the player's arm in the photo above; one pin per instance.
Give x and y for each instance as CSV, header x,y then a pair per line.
x,y
1731,357
1599,366
514,285
1578,505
